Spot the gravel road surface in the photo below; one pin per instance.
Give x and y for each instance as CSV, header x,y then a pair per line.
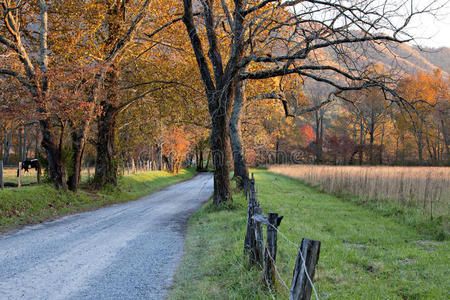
x,y
125,251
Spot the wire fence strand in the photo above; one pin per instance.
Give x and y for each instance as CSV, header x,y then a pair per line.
x,y
276,270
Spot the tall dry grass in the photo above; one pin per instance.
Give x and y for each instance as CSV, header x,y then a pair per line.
x,y
424,187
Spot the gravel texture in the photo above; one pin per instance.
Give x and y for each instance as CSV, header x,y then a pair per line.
x,y
126,251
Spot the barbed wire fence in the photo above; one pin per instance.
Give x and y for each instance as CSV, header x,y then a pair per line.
x,y
263,255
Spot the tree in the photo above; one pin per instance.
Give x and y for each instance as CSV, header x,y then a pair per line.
x,y
293,32
18,16
424,93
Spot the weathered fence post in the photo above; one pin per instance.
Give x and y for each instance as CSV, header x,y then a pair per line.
x,y
19,179
258,246
270,253
301,286
38,173
248,241
2,185
254,241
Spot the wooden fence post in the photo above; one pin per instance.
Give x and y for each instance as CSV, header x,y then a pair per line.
x,y
38,173
258,246
2,185
19,179
301,287
254,240
270,253
248,241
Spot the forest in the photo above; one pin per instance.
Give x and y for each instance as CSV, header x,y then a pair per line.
x,y
221,85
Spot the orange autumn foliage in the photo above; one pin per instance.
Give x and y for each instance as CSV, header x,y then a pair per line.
x,y
176,147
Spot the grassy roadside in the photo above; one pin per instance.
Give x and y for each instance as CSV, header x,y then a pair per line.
x,y
364,254
34,204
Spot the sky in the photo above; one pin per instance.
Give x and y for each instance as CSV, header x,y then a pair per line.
x,y
430,25
432,31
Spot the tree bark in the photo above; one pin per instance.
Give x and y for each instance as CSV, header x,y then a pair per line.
x,y
106,164
220,135
56,167
240,163
78,144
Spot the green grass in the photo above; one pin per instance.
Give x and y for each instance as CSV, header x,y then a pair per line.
x,y
34,204
364,254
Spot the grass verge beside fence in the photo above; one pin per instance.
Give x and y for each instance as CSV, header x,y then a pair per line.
x,y
364,254
34,204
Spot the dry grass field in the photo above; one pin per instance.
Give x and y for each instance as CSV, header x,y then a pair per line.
x,y
425,187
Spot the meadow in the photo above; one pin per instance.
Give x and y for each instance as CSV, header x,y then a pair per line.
x,y
365,254
424,188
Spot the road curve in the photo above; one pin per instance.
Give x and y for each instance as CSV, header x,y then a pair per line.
x,y
125,251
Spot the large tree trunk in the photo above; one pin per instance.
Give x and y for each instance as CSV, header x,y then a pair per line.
x,y
200,160
78,144
50,143
106,164
220,134
240,164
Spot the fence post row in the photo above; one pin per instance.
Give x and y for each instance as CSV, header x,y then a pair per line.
x,y
305,265
2,185
307,258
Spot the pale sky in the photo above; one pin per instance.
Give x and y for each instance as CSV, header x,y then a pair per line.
x,y
432,31
429,29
